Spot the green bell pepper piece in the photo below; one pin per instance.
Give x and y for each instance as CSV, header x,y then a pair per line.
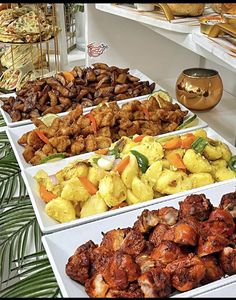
x,y
199,144
232,163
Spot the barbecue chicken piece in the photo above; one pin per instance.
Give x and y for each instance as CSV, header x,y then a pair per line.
x,y
213,269
79,264
157,235
197,206
186,273
228,260
168,215
96,287
133,291
228,202
155,283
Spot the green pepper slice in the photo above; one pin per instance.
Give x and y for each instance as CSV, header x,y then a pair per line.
x,y
187,122
232,163
141,160
51,157
199,144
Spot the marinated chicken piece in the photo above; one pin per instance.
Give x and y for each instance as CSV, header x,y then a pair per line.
x,y
78,266
133,291
103,142
221,222
145,262
156,236
23,140
228,260
28,153
133,243
34,141
186,273
48,149
168,215
90,143
60,143
78,145
166,252
209,244
155,283
228,202
146,221
182,233
120,271
213,269
197,206
113,239
96,287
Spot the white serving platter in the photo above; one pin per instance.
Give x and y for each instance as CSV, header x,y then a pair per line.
x,y
47,224
61,245
15,133
133,72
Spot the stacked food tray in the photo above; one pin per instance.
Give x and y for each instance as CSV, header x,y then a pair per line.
x,y
47,180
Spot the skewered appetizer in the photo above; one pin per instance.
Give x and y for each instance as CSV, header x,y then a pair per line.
x,y
132,171
166,250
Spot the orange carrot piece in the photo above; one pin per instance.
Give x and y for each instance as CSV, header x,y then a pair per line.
x,y
102,151
45,194
146,112
139,138
42,136
176,160
187,140
68,76
174,143
93,122
90,187
122,165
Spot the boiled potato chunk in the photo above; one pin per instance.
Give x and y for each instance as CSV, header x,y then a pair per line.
x,y
95,174
153,151
74,190
212,152
200,133
131,198
75,169
195,163
42,177
94,205
128,146
200,179
153,173
60,210
221,174
226,153
171,182
112,189
170,152
219,163
130,171
142,190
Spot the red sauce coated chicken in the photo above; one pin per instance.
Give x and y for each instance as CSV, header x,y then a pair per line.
x,y
166,250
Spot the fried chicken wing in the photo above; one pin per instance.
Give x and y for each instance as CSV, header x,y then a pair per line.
x,y
228,202
155,283
228,260
79,264
213,269
197,206
186,273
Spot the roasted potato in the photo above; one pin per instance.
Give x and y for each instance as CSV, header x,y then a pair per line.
x,y
73,170
74,190
131,198
130,171
94,205
141,190
95,174
61,210
222,173
212,152
200,179
196,163
153,173
153,151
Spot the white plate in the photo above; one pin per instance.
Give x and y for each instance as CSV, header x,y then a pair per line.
x,y
61,245
14,134
47,224
133,72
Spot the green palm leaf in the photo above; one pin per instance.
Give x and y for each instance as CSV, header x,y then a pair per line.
x,y
2,122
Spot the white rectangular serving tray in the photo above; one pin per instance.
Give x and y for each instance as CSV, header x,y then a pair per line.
x,y
47,224
15,133
133,72
61,245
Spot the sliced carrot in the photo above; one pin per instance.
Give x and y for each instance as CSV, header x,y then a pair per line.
x,y
187,140
90,187
122,165
93,122
42,136
102,151
146,112
45,194
174,143
139,138
176,160
68,76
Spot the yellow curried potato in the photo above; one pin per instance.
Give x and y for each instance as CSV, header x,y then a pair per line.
x,y
42,177
131,198
221,174
95,174
112,189
142,190
74,190
200,133
61,210
153,173
195,163
128,145
153,151
219,163
170,152
94,205
226,153
171,182
200,179
130,171
212,152
75,169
